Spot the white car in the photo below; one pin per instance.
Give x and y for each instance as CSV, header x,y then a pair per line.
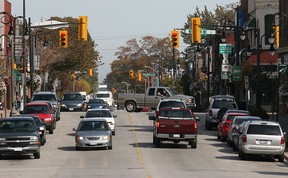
x,y
103,114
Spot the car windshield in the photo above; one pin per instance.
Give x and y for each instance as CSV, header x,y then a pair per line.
x,y
229,104
93,125
100,113
96,101
175,113
68,97
36,109
240,121
46,97
263,130
173,92
17,126
170,104
103,95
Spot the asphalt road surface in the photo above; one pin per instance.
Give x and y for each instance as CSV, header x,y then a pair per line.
x,y
134,156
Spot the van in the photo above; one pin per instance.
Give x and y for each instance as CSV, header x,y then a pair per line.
x,y
107,96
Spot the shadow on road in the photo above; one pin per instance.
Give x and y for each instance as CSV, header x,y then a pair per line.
x,y
163,145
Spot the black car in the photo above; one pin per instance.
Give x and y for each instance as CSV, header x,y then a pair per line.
x,y
73,101
96,103
18,136
40,125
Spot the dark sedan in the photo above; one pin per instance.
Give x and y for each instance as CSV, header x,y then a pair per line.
x,y
96,103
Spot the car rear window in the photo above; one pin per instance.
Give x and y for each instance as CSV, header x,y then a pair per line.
x,y
240,121
102,113
46,97
171,104
103,95
229,104
176,113
264,130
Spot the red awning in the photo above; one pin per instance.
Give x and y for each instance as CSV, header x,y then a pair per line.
x,y
265,58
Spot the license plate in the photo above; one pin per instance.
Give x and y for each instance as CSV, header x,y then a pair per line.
x,y
263,142
176,135
93,143
71,109
17,149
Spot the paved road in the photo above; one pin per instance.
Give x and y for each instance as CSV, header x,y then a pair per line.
x,y
134,155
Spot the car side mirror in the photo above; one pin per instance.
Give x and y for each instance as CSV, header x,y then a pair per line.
x,y
114,116
21,112
74,129
197,118
82,117
152,118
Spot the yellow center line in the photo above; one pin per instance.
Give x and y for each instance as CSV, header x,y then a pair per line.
x,y
140,158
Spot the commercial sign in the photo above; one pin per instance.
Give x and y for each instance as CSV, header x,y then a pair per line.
x,y
225,48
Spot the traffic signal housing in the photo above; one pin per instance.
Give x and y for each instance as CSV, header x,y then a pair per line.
x,y
83,28
175,39
276,34
196,29
139,77
90,72
131,73
63,38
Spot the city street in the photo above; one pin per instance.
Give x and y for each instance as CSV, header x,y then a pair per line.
x,y
133,155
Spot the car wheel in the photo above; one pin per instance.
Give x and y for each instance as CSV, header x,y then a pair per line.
x,y
193,143
157,142
36,155
281,158
110,147
242,155
154,140
130,106
43,142
51,130
223,139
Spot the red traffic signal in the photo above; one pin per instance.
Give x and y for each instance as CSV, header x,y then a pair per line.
x,y
174,41
63,38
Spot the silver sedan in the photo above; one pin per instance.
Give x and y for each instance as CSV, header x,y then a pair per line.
x,y
93,133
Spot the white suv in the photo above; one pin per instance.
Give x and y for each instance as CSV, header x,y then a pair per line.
x,y
262,138
218,105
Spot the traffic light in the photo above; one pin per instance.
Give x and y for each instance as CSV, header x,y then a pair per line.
x,y
174,41
90,72
83,28
63,38
276,33
196,29
131,73
139,77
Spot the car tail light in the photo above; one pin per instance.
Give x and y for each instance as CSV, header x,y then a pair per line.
x,y
244,138
282,140
210,112
226,126
195,126
157,124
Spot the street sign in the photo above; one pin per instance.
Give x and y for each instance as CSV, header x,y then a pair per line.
x,y
224,75
236,73
149,75
225,48
205,32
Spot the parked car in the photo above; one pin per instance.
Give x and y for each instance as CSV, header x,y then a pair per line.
x,y
43,110
50,97
41,126
175,124
169,103
73,101
224,124
93,133
218,106
233,132
104,114
96,103
262,138
19,135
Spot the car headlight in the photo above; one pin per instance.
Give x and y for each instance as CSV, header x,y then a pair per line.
x,y
33,138
47,119
80,104
105,138
2,139
63,105
79,138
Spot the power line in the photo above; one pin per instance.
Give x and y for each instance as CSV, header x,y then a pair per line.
x,y
123,37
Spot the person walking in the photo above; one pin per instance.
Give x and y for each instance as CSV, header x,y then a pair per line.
x,y
18,100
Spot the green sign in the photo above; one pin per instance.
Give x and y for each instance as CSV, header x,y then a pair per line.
x,y
149,75
205,32
225,48
236,73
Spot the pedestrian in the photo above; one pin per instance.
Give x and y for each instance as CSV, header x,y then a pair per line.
x,y
18,100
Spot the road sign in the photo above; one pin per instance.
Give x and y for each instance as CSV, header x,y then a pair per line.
x,y
205,32
149,75
225,48
224,75
236,73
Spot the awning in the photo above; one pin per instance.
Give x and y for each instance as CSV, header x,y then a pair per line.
x,y
250,24
265,58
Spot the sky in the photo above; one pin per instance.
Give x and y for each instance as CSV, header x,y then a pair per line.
x,y
113,22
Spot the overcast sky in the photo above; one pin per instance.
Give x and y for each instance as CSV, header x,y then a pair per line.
x,y
113,22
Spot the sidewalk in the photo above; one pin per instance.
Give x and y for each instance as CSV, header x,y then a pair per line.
x,y
283,121
2,113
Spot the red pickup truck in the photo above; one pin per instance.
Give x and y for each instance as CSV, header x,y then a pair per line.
x,y
175,124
